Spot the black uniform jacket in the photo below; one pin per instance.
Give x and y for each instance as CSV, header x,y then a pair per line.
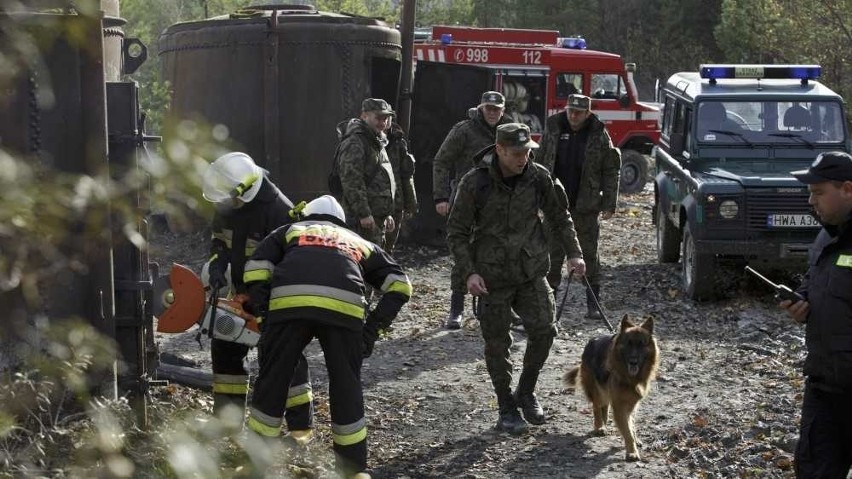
x,y
317,269
237,232
828,287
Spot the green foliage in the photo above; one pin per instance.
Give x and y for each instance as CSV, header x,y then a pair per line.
x,y
786,31
439,12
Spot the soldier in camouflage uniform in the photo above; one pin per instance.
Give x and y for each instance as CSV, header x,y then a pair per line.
x,y
366,173
453,160
577,150
498,242
402,163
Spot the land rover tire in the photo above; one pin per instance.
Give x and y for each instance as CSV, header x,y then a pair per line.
x,y
634,171
668,238
698,269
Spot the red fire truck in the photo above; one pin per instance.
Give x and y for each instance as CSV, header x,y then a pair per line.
x,y
536,70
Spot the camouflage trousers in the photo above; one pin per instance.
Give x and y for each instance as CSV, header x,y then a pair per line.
x,y
533,303
588,229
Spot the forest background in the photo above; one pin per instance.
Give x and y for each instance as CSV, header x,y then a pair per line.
x,y
661,36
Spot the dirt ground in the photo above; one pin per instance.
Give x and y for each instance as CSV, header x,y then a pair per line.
x,y
725,403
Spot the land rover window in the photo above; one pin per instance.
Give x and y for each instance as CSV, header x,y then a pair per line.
x,y
769,122
668,116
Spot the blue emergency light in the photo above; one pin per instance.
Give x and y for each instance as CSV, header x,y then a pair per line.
x,y
576,43
760,72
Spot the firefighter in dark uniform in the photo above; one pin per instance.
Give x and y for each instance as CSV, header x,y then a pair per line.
x,y
248,207
308,280
825,441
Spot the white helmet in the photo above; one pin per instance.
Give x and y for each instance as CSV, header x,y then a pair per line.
x,y
325,205
234,175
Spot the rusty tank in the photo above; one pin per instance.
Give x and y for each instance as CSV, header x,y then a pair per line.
x,y
280,78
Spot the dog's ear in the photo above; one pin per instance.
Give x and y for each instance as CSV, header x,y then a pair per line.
x,y
625,323
648,325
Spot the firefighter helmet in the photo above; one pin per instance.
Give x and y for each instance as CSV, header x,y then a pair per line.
x,y
232,176
325,205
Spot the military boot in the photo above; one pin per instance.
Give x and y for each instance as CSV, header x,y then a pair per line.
x,y
454,320
592,312
510,419
525,398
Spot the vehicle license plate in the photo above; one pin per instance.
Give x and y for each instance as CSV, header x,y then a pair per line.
x,y
791,221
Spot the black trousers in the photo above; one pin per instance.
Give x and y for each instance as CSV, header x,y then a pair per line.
x,y
230,384
824,450
281,346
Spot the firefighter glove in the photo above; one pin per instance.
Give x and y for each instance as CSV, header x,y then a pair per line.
x,y
370,335
217,276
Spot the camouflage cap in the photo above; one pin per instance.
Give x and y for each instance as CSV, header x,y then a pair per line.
x,y
377,105
493,98
579,102
515,135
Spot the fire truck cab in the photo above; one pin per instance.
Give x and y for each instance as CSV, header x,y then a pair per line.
x,y
536,70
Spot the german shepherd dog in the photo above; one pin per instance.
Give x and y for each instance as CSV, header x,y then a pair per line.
x,y
617,370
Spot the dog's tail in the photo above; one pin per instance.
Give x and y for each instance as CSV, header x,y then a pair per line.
x,y
569,379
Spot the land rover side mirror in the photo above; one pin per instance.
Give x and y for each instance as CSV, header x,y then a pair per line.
x,y
624,100
676,144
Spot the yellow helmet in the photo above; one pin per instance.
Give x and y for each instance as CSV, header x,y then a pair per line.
x,y
234,175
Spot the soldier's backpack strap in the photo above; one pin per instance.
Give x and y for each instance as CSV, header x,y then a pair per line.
x,y
482,189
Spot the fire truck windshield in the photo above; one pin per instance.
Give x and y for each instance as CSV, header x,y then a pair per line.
x,y
769,122
607,86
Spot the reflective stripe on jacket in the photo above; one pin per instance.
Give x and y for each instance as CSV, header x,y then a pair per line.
x,y
316,269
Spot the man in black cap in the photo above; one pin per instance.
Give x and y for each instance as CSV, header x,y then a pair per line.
x,y
453,160
577,150
825,435
497,241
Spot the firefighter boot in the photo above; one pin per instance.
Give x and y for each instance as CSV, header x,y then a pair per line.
x,y
525,397
302,437
454,320
592,311
510,419
230,409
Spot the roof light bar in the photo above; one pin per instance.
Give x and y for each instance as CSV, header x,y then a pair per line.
x,y
575,43
760,72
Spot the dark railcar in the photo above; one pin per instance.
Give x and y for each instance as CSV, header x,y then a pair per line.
x,y
67,111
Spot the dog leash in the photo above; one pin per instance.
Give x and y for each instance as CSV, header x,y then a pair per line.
x,y
476,305
598,304
564,294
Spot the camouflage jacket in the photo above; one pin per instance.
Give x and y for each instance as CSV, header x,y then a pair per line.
x,y
402,163
365,173
601,168
501,236
455,157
